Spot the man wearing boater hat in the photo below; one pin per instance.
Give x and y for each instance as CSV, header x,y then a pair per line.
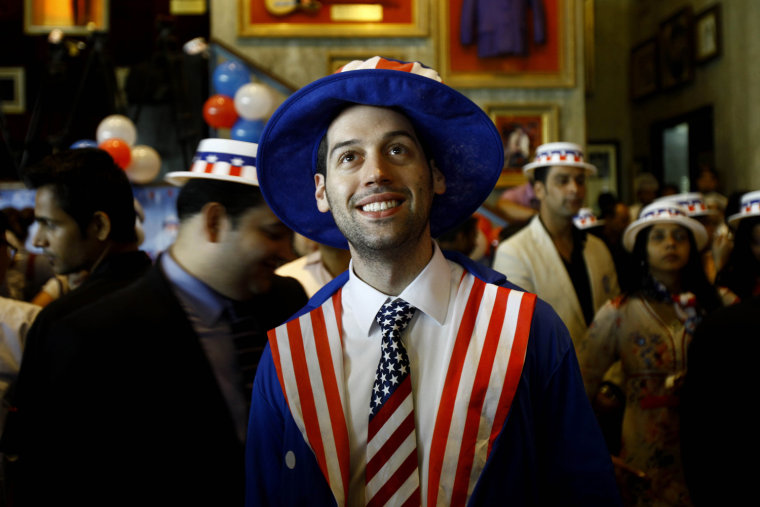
x,y
413,377
152,405
571,270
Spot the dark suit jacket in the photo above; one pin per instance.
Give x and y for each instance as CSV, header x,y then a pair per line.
x,y
134,415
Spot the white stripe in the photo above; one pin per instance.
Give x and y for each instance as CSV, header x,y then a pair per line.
x,y
222,168
407,447
249,173
199,166
495,386
409,486
323,416
289,378
393,422
332,326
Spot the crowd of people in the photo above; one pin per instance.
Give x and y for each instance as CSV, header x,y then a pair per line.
x,y
556,369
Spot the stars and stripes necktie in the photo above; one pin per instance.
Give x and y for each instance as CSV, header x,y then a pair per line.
x,y
392,476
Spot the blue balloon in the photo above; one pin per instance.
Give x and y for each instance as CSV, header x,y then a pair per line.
x,y
247,130
229,76
84,143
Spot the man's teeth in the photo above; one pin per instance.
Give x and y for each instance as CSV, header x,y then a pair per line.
x,y
379,206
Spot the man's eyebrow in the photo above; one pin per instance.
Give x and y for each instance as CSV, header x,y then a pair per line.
x,y
341,145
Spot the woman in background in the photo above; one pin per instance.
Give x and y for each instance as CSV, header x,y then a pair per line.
x,y
648,329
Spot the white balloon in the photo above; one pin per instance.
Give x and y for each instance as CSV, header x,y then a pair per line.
x,y
145,165
117,125
253,101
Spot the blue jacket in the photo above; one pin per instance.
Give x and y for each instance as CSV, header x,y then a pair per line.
x,y
550,450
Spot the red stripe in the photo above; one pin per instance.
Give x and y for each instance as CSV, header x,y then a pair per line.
x,y
451,385
305,394
338,308
209,167
272,336
414,499
389,64
332,394
390,446
236,170
389,407
515,365
407,468
477,398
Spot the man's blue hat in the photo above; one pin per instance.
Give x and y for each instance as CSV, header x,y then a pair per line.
x,y
455,132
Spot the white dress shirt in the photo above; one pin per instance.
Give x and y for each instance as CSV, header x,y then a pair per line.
x,y
429,339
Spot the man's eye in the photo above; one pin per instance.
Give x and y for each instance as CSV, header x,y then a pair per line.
x,y
397,149
347,157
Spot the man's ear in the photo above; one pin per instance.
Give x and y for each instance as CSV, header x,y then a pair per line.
x,y
439,180
321,193
539,189
215,220
100,225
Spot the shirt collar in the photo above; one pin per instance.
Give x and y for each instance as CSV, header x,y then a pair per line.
x,y
428,292
201,299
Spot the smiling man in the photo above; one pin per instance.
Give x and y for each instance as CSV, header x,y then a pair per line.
x,y
571,270
152,402
414,377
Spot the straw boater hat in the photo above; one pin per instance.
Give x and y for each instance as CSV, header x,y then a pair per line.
x,y
456,133
585,219
693,202
750,207
558,154
664,212
223,160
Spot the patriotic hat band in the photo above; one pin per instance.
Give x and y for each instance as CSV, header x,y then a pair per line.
x,y
693,202
585,219
223,160
750,207
558,154
456,132
664,212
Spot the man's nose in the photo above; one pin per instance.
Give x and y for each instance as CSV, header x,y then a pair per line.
x,y
376,171
39,239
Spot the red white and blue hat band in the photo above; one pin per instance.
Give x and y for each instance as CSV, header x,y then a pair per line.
x,y
693,203
750,207
558,154
221,159
667,212
455,132
585,219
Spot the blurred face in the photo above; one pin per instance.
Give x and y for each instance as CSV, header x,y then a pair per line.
x,y
564,191
60,238
253,249
667,249
620,220
379,185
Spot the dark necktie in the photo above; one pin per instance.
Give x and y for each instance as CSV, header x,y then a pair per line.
x,y
249,343
392,476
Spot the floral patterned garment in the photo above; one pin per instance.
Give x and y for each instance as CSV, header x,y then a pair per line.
x,y
653,357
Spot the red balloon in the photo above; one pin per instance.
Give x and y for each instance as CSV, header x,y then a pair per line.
x,y
119,151
219,111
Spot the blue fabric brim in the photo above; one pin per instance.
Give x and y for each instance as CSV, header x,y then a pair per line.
x,y
459,136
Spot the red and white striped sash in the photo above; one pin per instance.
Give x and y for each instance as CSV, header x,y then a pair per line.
x,y
482,377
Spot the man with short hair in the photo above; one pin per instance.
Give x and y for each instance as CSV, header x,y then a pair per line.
x,y
571,270
414,377
154,406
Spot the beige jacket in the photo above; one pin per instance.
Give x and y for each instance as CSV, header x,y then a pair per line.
x,y
530,260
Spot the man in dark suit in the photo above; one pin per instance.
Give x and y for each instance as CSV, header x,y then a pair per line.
x,y
154,408
86,222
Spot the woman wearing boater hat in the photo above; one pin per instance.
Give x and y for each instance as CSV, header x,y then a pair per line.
x,y
741,273
649,329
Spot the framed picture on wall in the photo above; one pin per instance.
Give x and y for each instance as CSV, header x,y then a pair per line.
x,y
644,69
523,128
707,32
333,18
12,89
77,18
604,154
537,50
675,43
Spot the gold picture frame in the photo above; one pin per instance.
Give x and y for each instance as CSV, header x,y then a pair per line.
x,y
15,101
75,18
552,66
400,18
523,127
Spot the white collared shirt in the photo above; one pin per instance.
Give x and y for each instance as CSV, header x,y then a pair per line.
x,y
429,339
